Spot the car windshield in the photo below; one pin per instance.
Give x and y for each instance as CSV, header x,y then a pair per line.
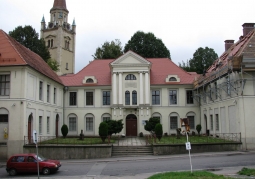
x,y
40,158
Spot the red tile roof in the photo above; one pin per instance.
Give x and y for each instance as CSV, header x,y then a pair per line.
x,y
15,54
160,69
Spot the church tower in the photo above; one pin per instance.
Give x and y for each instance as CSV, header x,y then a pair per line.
x,y
59,37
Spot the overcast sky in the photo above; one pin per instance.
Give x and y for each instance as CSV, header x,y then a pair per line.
x,y
183,25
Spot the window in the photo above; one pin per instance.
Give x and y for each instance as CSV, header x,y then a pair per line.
x,y
155,97
127,98
51,45
48,43
72,98
60,15
48,125
41,90
189,96
48,93
89,98
134,98
216,90
173,96
173,122
191,122
3,117
54,95
106,119
40,124
106,98
130,77
211,118
89,123
172,79
67,44
217,127
4,85
72,123
89,80
66,66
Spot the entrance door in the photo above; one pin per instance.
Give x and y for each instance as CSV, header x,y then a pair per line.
x,y
29,128
131,125
57,119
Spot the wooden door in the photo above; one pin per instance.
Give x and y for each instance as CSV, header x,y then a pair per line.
x,y
131,125
29,128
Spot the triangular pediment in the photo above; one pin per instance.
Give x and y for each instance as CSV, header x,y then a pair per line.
x,y
130,58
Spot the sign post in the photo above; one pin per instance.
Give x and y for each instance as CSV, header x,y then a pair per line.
x,y
35,141
188,147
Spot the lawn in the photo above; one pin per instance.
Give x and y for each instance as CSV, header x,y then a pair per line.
x,y
247,172
77,141
188,175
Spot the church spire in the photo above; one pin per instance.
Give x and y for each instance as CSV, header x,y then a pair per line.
x,y
60,5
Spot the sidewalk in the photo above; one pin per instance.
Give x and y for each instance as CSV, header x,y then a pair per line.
x,y
226,171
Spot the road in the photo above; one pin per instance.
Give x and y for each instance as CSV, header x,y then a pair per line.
x,y
121,167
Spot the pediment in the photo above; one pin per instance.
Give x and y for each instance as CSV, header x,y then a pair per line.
x,y
130,59
50,36
67,37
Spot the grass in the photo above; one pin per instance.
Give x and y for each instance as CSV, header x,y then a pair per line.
x,y
188,175
77,141
247,172
192,139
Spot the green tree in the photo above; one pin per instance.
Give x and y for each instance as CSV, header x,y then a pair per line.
x,y
150,124
202,59
158,131
186,66
114,126
53,64
147,46
28,37
198,128
103,130
109,50
64,130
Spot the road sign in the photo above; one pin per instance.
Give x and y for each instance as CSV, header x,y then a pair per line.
x,y
188,146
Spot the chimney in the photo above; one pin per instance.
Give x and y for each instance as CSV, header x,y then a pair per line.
x,y
247,27
228,44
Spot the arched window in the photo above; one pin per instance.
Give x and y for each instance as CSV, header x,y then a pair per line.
x,y
172,79
89,80
134,98
89,123
48,43
106,117
72,119
127,98
130,77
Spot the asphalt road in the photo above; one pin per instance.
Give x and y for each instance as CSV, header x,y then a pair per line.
x,y
121,167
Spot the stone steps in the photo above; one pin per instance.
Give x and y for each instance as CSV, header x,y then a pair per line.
x,y
131,151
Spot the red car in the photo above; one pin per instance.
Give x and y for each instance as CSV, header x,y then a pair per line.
x,y
28,163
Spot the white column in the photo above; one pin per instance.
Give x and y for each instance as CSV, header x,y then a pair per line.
x,y
146,88
120,88
141,88
114,90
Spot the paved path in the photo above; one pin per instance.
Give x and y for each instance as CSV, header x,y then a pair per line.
x,y
131,141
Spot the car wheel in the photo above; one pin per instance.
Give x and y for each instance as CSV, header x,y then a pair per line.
x,y
12,172
46,171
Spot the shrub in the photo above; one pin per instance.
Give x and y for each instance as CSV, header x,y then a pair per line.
x,y
198,128
140,134
150,124
64,130
103,130
158,131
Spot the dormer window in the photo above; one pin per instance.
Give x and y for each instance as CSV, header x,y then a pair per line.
x,y
172,79
89,80
130,77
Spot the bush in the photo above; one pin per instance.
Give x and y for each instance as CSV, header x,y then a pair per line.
x,y
64,130
198,128
140,134
103,130
158,131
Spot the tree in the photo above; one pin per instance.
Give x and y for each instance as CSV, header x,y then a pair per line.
x,y
150,124
103,130
202,59
147,46
64,130
186,66
158,131
53,64
109,50
198,128
28,37
114,126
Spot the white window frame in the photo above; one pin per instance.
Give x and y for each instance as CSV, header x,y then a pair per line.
x,y
93,98
48,93
48,124
41,90
177,93
6,94
55,95
73,127
152,93
40,125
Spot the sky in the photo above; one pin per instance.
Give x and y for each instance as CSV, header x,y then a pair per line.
x,y
182,25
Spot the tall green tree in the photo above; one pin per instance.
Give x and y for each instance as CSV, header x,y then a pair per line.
x,y
114,126
28,37
202,59
147,46
109,50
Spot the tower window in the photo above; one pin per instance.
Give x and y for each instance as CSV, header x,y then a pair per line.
x,y
51,44
67,45
48,43
66,66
